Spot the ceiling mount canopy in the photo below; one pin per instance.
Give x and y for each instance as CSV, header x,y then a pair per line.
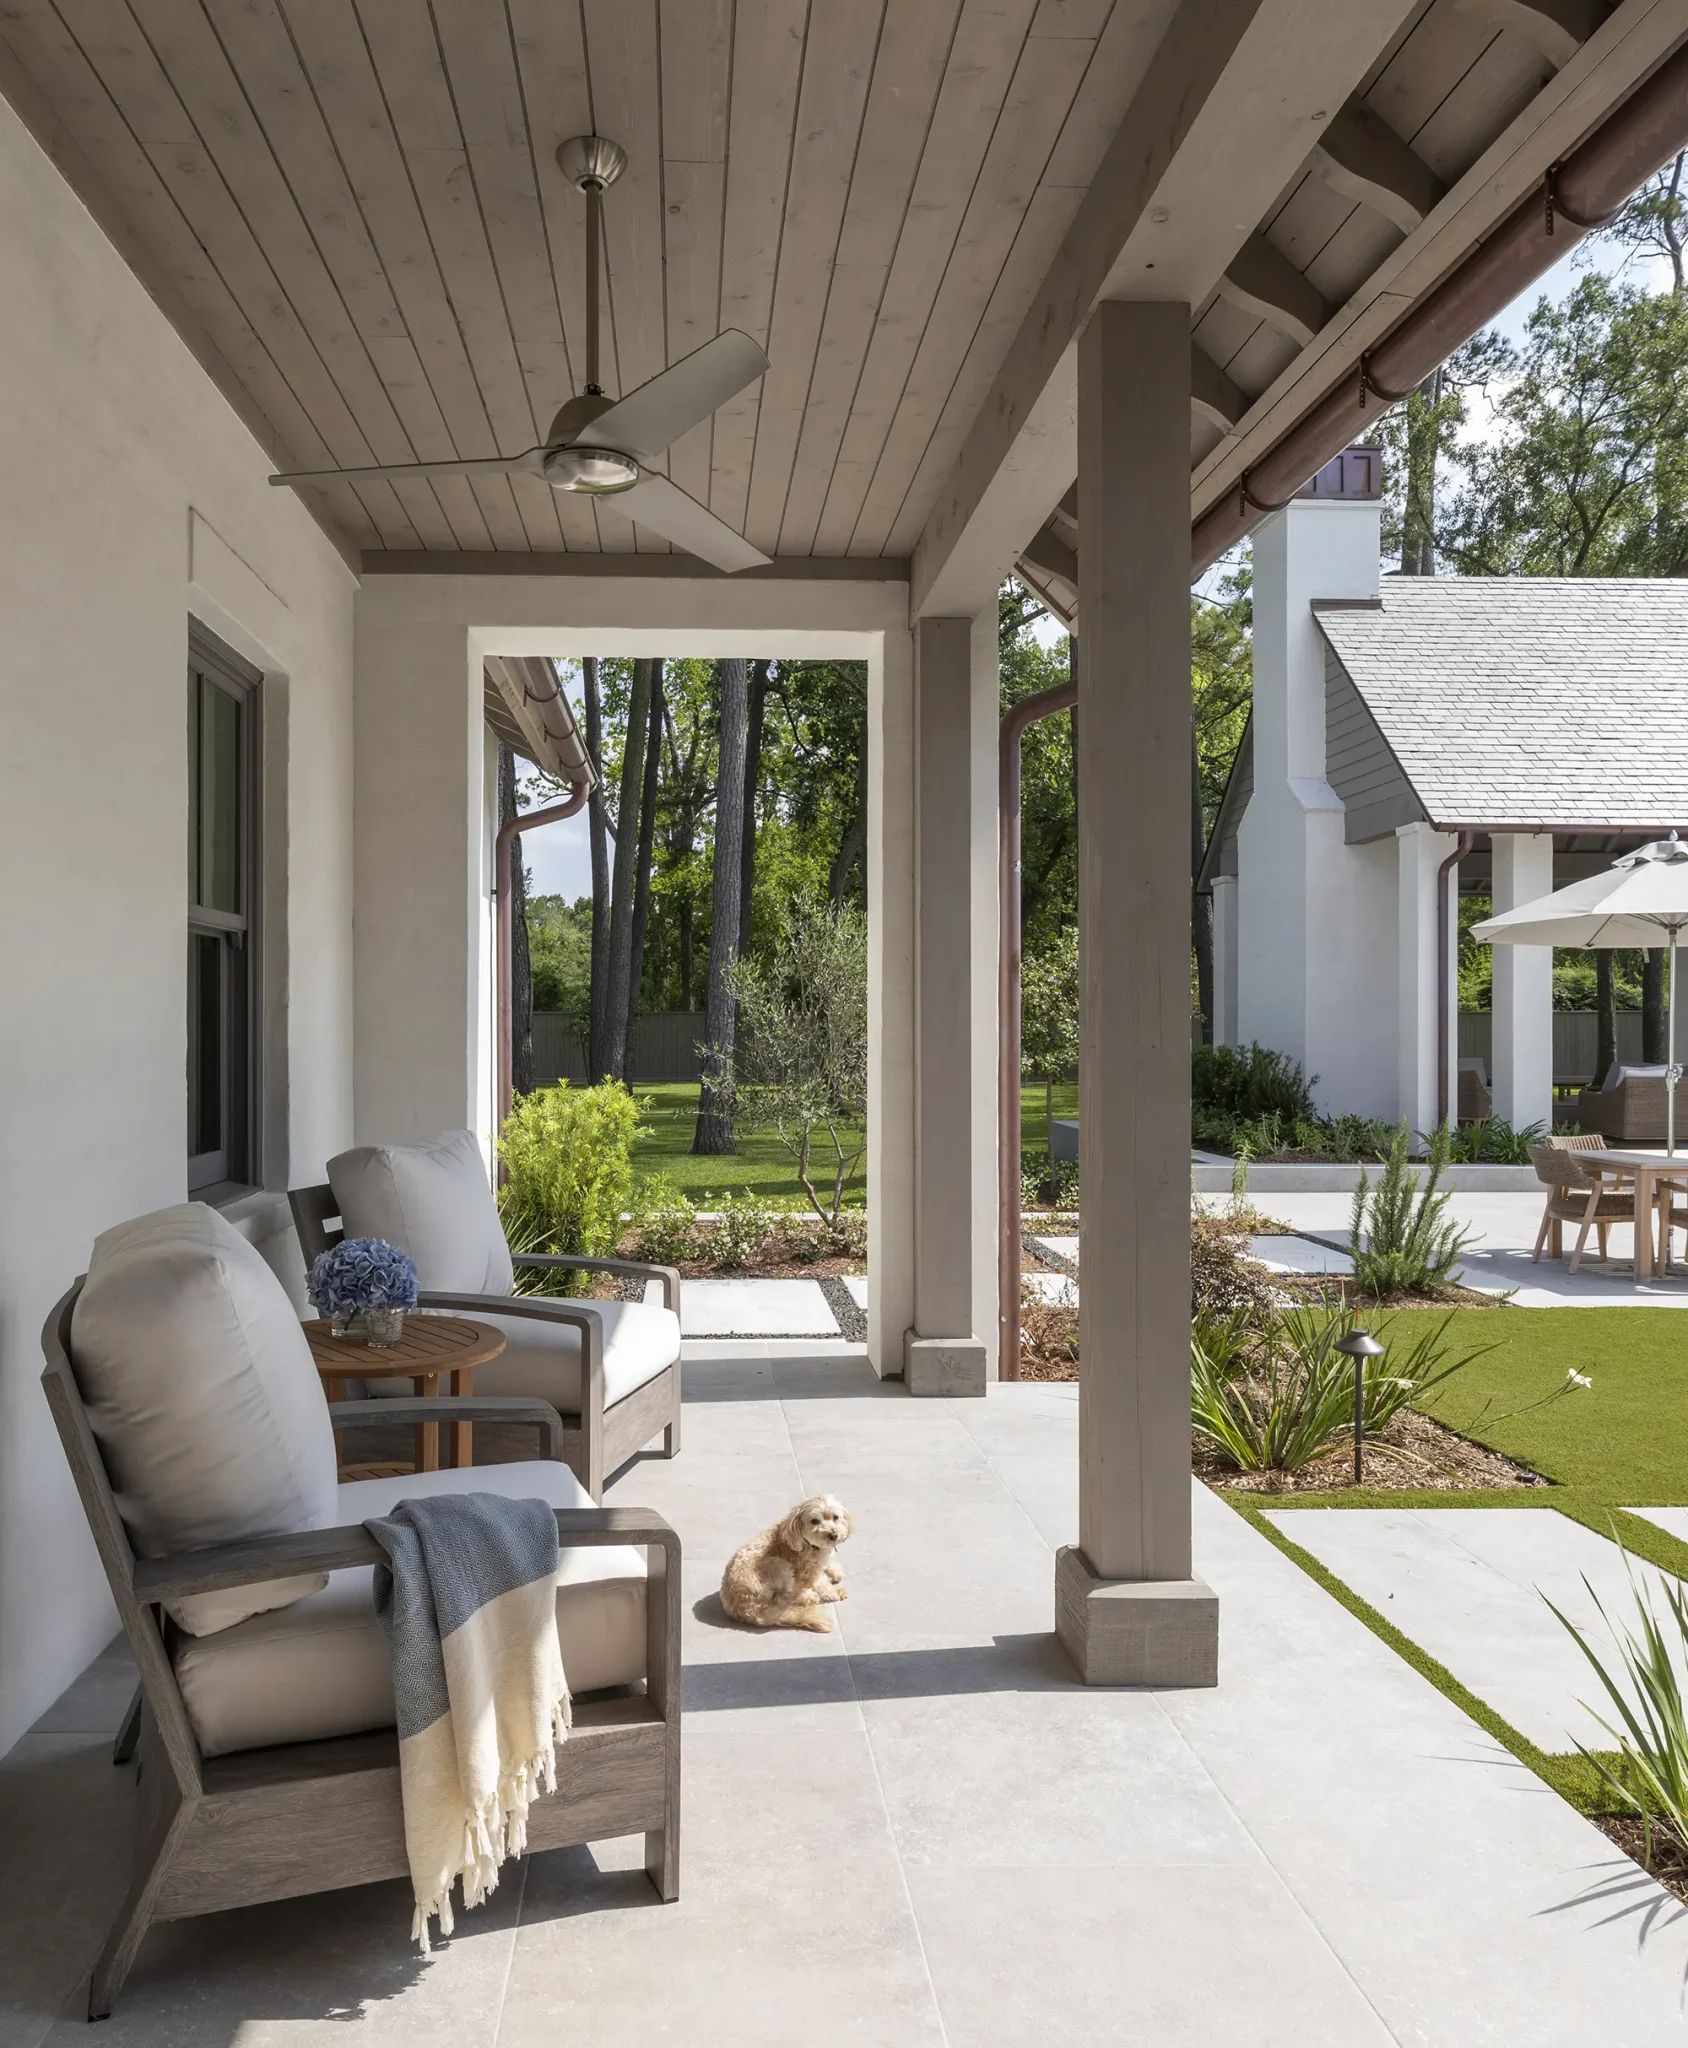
x,y
602,447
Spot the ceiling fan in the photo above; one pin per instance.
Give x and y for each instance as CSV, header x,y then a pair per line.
x,y
605,447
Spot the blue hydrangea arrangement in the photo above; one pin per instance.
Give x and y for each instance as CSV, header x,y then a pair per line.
x,y
361,1273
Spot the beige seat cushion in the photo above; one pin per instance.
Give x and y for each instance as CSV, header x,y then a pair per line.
x,y
433,1201
323,1666
203,1399
542,1359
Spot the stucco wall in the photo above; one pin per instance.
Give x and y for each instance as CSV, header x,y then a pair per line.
x,y
130,495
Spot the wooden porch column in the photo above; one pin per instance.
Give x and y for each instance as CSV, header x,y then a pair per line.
x,y
1128,1608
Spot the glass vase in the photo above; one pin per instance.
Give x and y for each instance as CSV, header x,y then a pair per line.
x,y
378,1327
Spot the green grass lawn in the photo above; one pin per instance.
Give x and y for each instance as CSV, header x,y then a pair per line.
x,y
762,1165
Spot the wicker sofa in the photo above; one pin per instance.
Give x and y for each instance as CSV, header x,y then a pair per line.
x,y
1631,1112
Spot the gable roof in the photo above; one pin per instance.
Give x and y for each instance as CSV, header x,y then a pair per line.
x,y
1527,700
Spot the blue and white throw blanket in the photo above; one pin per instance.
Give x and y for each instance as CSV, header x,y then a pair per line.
x,y
468,1599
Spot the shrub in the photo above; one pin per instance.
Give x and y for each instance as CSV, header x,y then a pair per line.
x,y
1250,1081
744,1227
845,1235
1404,1242
667,1221
567,1152
1223,1280
1494,1143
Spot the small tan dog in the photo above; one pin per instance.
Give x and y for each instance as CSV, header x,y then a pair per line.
x,y
787,1576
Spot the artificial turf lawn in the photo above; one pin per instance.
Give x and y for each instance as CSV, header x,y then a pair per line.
x,y
761,1165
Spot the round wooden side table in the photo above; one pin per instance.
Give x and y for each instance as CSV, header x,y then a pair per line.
x,y
431,1348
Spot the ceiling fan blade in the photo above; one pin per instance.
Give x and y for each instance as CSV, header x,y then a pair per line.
x,y
650,419
529,464
666,509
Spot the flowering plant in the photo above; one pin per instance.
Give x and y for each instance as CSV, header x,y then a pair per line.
x,y
361,1273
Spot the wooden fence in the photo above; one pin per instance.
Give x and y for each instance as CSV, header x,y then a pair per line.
x,y
664,1048
1574,1038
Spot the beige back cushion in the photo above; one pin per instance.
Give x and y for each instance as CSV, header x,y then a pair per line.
x,y
433,1201
202,1396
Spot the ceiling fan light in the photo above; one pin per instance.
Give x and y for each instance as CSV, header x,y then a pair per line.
x,y
598,472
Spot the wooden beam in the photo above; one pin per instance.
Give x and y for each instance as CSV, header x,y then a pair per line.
x,y
1228,110
1558,28
1262,280
1361,156
1046,551
1214,395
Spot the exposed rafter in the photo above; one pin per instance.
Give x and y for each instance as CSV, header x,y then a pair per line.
x,y
1214,395
1046,551
1262,280
1361,156
1558,28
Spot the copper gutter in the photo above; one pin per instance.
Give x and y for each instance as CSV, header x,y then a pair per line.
x,y
1027,712
1445,882
1581,193
527,821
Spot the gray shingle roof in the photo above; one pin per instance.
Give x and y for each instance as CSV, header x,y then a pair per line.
x,y
1557,701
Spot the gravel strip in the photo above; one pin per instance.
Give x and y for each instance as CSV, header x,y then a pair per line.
x,y
852,1322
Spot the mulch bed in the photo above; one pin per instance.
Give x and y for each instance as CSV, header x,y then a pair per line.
x,y
1411,1454
1317,1286
1629,1833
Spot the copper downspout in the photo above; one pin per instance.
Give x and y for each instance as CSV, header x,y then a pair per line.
x,y
1027,712
1581,193
528,821
1445,884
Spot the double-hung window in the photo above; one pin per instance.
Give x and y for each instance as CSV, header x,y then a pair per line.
x,y
222,923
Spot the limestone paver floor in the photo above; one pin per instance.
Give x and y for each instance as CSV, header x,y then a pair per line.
x,y
920,1829
1468,1585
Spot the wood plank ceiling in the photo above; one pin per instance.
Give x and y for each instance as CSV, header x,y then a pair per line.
x,y
353,210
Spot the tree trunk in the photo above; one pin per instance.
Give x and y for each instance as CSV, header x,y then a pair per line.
x,y
714,1132
756,704
687,947
619,997
642,866
1418,511
1653,1007
1201,905
521,967
855,835
1605,1015
597,1034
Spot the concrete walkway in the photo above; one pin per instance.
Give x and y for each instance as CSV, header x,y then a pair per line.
x,y
1471,1585
920,1830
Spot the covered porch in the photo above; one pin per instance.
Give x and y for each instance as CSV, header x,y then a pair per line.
x,y
920,1829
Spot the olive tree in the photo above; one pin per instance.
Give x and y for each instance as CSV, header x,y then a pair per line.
x,y
799,1063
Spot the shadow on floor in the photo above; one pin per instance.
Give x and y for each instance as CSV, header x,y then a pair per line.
x,y
1020,1663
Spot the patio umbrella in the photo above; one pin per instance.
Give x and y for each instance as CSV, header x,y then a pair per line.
x,y
1640,896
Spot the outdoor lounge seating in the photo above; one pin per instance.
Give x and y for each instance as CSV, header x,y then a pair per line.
x,y
203,1455
1591,1200
1476,1102
1629,1110
610,1368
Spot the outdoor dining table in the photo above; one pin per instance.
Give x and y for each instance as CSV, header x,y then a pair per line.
x,y
1655,1174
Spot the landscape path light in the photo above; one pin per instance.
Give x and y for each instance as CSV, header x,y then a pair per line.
x,y
1359,1345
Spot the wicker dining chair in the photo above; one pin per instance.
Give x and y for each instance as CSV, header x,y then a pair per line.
x,y
1592,1200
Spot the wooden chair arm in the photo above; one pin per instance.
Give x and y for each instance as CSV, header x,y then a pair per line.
x,y
457,1408
668,1275
543,1308
257,1559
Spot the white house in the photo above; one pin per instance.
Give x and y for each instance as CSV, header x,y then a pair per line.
x,y
1412,737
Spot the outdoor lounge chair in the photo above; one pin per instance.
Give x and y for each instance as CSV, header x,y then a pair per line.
x,y
610,1368
1629,1109
1476,1103
203,1452
1593,1201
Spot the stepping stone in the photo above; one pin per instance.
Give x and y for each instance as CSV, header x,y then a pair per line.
x,y
1058,1247
1467,1584
1279,1254
1059,1288
755,1308
1673,1521
856,1286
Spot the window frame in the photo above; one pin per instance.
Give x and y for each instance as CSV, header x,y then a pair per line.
x,y
235,1167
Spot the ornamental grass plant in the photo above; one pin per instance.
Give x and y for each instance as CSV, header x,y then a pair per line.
x,y
1400,1237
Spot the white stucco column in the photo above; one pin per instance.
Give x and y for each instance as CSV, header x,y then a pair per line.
x,y
1522,999
1420,852
1128,1608
890,1000
1225,960
422,1009
947,1348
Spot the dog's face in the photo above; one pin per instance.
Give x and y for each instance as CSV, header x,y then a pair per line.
x,y
818,1524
